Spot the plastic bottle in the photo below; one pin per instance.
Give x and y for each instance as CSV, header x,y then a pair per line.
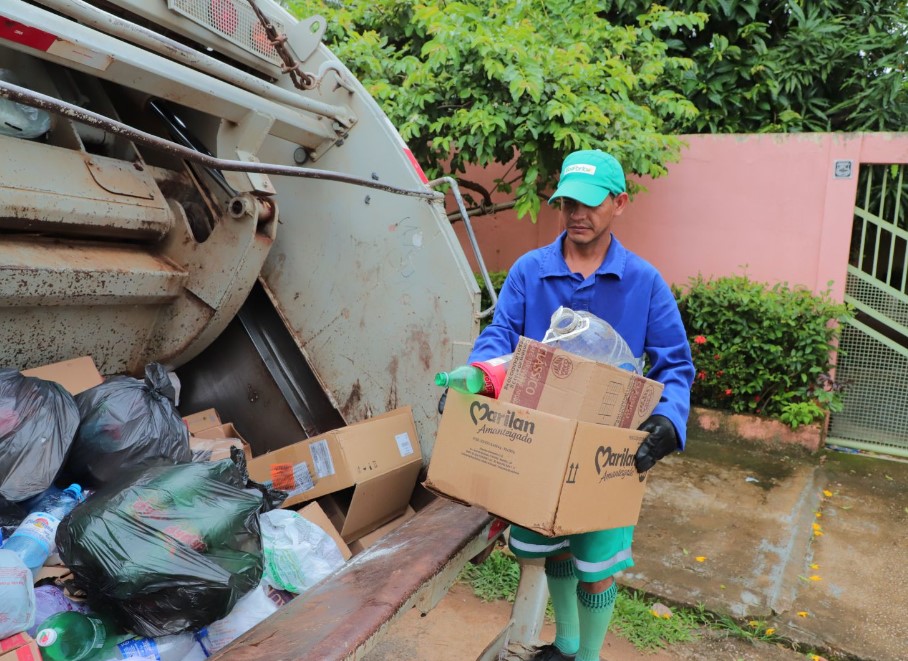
x,y
33,540
584,334
465,378
73,636
166,648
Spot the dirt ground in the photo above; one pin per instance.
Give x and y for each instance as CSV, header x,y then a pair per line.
x,y
462,625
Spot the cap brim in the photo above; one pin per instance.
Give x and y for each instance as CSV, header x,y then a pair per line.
x,y
588,194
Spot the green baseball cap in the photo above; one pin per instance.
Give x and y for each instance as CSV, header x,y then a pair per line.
x,y
588,176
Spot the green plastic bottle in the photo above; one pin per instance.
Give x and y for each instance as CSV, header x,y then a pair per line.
x,y
466,379
74,636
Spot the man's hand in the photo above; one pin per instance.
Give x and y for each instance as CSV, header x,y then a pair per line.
x,y
661,441
441,401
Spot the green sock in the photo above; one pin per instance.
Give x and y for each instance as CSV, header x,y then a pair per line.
x,y
563,591
595,613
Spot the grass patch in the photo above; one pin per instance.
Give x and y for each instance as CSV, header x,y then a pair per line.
x,y
633,620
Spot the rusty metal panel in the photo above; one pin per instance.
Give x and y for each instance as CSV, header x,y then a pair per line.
x,y
374,286
52,190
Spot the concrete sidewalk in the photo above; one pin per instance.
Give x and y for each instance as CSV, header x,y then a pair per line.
x,y
814,546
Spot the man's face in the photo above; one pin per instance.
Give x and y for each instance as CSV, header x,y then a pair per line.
x,y
588,226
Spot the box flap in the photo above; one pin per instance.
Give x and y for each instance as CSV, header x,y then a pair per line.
x,y
202,420
380,444
313,512
220,439
367,540
378,500
76,375
601,471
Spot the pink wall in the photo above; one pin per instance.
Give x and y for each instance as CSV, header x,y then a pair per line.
x,y
767,205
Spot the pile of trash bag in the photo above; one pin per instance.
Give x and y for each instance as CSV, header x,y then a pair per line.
x,y
125,422
38,421
167,548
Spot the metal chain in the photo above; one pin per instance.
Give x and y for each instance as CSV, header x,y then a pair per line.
x,y
301,79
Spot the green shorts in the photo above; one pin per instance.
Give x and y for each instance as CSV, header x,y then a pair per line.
x,y
597,555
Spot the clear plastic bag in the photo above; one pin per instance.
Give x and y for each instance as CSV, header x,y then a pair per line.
x,y
586,335
18,120
298,554
16,594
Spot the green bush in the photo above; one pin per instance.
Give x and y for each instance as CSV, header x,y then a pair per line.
x,y
497,278
763,350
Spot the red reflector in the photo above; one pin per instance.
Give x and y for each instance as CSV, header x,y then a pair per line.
x,y
25,35
422,175
497,526
222,15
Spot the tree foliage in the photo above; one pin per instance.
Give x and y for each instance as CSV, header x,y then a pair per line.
x,y
524,82
517,81
790,65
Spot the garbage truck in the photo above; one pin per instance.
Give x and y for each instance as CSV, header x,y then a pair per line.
x,y
203,184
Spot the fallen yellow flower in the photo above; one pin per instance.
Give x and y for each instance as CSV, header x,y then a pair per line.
x,y
802,613
700,558
827,493
815,578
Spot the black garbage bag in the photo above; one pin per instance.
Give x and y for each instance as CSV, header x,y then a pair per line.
x,y
126,422
168,547
38,420
11,515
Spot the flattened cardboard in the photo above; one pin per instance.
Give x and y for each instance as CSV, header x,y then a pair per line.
x,y
364,542
378,460
546,379
313,512
542,471
76,375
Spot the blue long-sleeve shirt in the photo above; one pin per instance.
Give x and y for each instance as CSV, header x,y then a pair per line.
x,y
626,291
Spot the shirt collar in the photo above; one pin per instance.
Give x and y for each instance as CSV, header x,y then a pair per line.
x,y
553,262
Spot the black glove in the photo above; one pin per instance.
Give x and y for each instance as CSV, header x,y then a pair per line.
x,y
661,441
441,401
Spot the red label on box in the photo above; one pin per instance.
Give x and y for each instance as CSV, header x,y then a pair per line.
x,y
630,408
532,377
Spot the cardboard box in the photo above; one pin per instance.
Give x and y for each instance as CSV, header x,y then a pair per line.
x,y
551,474
19,647
218,441
313,512
75,375
364,542
378,459
202,420
543,378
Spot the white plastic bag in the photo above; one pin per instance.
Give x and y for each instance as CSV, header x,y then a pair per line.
x,y
251,609
17,595
298,554
18,120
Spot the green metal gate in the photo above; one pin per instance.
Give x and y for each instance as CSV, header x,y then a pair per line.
x,y
874,367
